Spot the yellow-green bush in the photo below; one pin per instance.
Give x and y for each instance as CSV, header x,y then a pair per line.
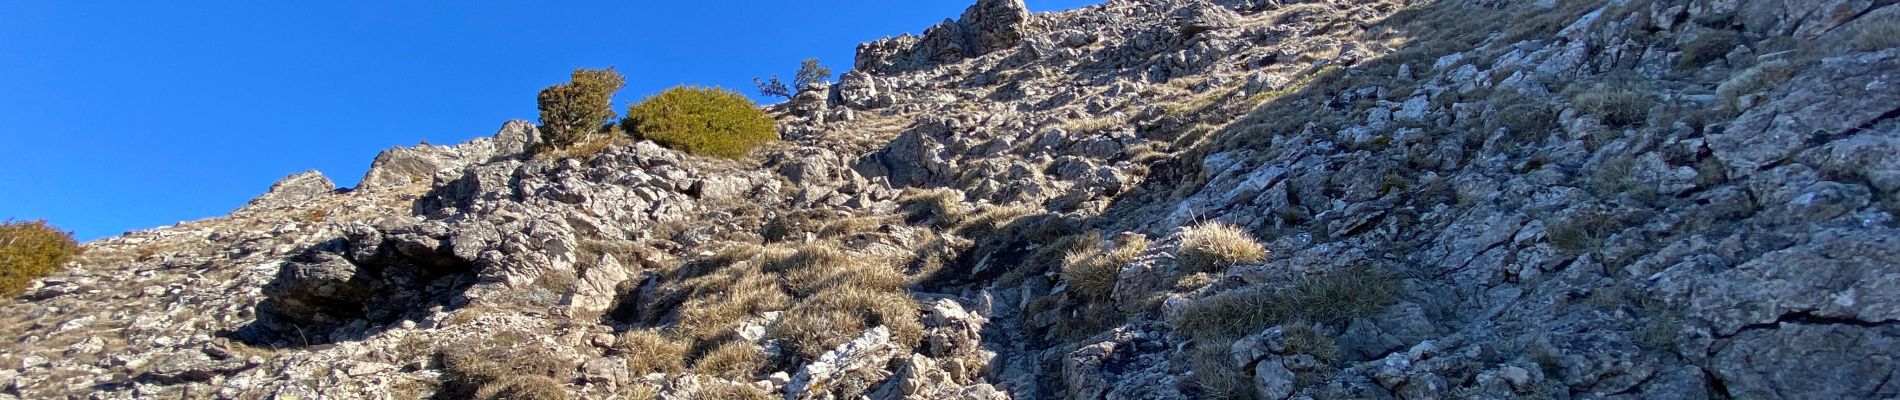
x,y
29,250
700,120
574,110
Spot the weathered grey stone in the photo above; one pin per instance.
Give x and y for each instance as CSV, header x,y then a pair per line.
x,y
292,191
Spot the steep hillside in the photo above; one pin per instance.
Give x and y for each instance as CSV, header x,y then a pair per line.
x,y
1138,199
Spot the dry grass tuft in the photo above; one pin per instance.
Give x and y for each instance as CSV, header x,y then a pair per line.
x,y
994,218
1708,45
1088,125
1215,375
1091,272
1878,33
1620,102
641,391
860,273
1333,299
649,352
1304,338
725,257
723,390
1766,75
522,387
508,355
942,206
736,360
1215,246
720,303
833,317
1049,255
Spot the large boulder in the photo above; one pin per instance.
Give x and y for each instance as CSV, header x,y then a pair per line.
x,y
985,27
992,25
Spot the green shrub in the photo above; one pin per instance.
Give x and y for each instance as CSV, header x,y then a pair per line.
x,y
703,121
1214,246
574,110
29,250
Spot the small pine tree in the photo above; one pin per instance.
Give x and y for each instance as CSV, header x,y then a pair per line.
x,y
772,87
809,72
699,120
571,111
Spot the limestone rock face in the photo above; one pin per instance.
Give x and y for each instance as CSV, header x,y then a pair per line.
x,y
405,166
292,191
1673,199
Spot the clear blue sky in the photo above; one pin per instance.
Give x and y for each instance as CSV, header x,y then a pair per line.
x,y
122,115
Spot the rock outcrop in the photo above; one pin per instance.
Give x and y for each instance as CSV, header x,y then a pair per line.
x,y
984,28
1458,199
292,191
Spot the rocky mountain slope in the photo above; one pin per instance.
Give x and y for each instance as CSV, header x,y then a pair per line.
x,y
1460,199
